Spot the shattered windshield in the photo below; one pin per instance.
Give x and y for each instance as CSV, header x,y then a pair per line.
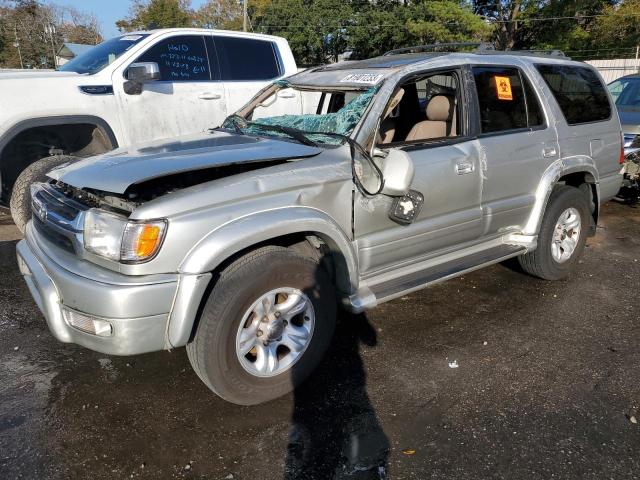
x,y
310,116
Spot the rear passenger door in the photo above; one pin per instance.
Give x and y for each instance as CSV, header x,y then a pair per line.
x,y
246,66
518,144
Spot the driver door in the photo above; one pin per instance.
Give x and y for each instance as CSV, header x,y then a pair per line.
x,y
188,98
447,168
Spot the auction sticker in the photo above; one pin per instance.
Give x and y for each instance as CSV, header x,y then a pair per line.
x,y
368,78
131,38
503,86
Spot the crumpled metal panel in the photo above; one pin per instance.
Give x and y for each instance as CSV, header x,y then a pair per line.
x,y
115,173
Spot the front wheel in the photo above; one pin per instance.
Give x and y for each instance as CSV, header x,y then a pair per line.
x,y
563,234
20,202
265,326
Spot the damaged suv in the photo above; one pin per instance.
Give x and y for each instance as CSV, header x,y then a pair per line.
x,y
352,184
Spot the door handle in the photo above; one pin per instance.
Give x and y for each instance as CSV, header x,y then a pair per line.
x,y
463,168
209,96
549,152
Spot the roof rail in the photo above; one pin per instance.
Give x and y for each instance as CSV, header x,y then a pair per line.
x,y
488,49
480,48
437,48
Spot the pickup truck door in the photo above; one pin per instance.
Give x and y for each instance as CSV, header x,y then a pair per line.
x,y
189,98
518,145
246,66
448,175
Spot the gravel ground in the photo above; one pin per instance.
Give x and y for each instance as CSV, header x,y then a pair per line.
x,y
546,386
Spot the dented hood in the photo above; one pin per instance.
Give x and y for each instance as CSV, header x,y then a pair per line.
x,y
116,171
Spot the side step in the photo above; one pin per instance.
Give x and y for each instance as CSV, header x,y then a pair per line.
x,y
391,289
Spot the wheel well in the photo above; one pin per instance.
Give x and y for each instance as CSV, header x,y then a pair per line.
x,y
586,182
31,144
310,244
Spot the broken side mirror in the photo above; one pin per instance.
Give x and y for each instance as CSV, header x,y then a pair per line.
x,y
397,172
138,74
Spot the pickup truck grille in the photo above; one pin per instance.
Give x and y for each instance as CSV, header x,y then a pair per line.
x,y
58,218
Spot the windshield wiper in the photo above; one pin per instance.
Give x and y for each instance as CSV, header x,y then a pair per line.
x,y
292,132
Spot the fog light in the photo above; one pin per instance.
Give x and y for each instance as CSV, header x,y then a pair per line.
x,y
86,323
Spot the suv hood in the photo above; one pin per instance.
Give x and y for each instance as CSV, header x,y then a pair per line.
x,y
116,171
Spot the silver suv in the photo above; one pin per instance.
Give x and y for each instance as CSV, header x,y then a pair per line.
x,y
351,184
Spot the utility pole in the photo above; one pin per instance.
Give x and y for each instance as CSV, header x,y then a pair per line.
x,y
244,15
17,45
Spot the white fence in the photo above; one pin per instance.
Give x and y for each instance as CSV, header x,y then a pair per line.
x,y
615,68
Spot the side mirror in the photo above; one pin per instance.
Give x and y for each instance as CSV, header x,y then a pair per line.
x,y
139,73
397,171
143,72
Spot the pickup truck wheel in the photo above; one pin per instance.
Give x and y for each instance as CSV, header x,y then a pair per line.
x,y
265,326
562,237
20,202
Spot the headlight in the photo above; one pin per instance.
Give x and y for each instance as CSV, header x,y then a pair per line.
x,y
117,238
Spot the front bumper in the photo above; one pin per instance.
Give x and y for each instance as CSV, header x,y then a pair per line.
x,y
143,313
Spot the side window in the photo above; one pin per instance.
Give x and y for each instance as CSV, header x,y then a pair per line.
x,y
424,108
578,91
246,58
181,59
534,110
501,97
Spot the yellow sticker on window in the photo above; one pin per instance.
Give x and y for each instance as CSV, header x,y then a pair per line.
x,y
503,87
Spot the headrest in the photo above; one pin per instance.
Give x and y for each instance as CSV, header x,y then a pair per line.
x,y
440,108
394,102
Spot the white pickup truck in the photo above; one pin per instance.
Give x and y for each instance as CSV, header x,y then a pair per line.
x,y
131,89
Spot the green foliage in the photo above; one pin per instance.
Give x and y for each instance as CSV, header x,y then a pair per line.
x,y
619,28
157,14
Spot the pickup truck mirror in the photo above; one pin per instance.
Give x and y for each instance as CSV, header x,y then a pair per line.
x,y
138,74
143,72
397,171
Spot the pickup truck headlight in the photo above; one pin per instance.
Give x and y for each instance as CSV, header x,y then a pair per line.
x,y
117,238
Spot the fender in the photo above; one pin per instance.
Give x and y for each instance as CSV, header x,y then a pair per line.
x,y
20,127
241,233
558,169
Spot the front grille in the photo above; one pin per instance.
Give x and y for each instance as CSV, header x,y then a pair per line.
x,y
54,237
57,218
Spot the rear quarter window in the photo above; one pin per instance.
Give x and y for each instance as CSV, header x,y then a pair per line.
x,y
244,59
579,92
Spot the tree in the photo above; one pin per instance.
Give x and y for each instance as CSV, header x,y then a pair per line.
x,y
31,33
222,14
619,28
157,14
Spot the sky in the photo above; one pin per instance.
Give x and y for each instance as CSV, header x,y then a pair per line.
x,y
106,11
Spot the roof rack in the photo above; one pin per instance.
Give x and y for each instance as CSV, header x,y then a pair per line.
x,y
437,48
481,48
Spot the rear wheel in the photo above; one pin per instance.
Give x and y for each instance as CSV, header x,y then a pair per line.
x,y
563,234
21,194
265,326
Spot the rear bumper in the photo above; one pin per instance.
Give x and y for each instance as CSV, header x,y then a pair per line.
x,y
145,315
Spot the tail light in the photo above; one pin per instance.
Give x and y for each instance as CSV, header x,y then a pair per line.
x,y
621,155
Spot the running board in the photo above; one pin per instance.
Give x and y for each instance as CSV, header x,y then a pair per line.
x,y
397,287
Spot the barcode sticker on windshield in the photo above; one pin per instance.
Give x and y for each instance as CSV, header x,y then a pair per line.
x,y
131,38
369,78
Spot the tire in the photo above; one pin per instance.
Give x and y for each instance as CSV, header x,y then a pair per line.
x,y
541,262
212,352
20,202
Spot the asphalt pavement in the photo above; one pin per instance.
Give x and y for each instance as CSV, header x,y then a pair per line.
x,y
495,375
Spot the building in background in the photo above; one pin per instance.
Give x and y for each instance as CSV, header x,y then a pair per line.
x,y
68,51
